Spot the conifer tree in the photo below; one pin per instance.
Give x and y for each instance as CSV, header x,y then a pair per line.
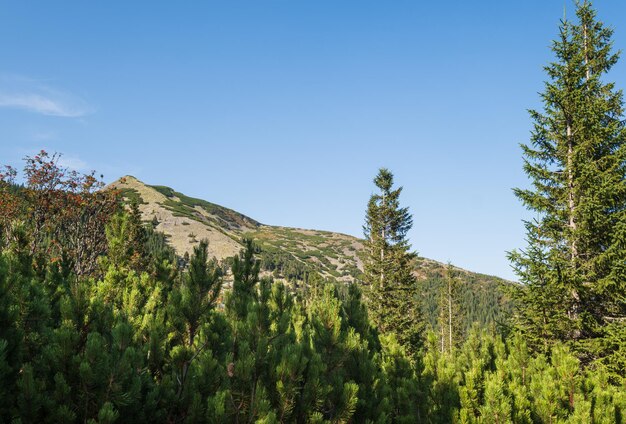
x,y
193,327
389,264
249,360
330,391
10,341
517,369
365,365
403,389
118,236
438,377
245,270
497,406
287,352
573,268
448,320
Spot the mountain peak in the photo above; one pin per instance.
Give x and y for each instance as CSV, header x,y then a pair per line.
x,y
186,220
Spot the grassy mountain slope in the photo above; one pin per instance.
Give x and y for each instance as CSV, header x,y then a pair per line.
x,y
186,220
290,253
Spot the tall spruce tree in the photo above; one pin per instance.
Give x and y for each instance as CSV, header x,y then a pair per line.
x,y
573,269
389,264
449,312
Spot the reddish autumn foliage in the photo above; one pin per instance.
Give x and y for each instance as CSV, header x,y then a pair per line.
x,y
10,203
65,211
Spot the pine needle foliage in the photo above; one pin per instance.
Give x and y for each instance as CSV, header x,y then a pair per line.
x,y
389,264
573,267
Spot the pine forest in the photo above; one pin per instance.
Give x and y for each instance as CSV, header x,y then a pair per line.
x,y
103,320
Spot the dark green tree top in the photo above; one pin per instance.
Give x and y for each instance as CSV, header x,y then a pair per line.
x,y
576,161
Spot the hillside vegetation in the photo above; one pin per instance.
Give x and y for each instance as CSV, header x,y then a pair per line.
x,y
292,254
136,303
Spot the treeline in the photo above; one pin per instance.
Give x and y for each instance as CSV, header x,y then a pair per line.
x,y
485,302
148,342
137,347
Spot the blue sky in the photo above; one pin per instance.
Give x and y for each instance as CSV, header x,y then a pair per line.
x,y
284,110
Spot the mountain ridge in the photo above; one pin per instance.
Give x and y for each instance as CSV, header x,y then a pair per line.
x,y
186,220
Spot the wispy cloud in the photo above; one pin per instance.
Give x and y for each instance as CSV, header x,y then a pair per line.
x,y
40,104
18,92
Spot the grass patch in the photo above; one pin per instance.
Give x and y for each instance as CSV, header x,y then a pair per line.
x,y
132,196
230,216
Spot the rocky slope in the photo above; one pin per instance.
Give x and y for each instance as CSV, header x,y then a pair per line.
x,y
185,221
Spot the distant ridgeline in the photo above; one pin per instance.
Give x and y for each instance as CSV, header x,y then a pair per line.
x,y
294,254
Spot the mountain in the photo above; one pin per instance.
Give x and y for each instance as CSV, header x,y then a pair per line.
x,y
186,220
291,253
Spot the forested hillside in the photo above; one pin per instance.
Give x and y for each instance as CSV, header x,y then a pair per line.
x,y
136,303
142,337
291,255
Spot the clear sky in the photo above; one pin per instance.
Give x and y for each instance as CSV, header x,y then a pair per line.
x,y
284,110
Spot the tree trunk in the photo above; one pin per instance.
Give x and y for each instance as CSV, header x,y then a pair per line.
x,y
450,314
587,68
570,193
573,310
382,246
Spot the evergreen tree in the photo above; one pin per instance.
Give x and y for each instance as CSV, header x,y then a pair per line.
x,y
389,264
330,390
287,352
497,406
438,377
448,322
249,360
245,268
195,335
516,368
573,268
402,392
